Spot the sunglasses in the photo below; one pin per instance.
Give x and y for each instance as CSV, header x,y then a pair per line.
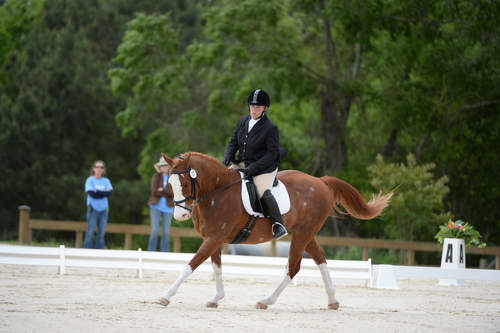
x,y
99,167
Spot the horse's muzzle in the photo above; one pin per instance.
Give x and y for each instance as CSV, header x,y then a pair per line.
x,y
181,214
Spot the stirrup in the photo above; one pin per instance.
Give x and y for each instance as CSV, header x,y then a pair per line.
x,y
279,230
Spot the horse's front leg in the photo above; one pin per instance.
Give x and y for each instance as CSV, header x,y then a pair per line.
x,y
294,258
219,286
207,248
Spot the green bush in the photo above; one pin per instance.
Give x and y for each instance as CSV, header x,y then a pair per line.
x,y
378,256
416,209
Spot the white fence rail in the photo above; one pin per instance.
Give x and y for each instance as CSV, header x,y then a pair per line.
x,y
436,273
143,260
232,264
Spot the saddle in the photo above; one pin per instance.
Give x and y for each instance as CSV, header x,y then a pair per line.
x,y
253,206
252,203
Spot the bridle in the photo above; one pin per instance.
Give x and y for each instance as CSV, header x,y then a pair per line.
x,y
192,196
193,177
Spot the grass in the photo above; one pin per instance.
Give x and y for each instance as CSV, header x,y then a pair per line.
x,y
378,256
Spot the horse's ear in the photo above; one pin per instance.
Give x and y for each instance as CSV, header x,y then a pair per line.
x,y
166,158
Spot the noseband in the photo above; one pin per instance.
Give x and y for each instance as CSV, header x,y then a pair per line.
x,y
192,196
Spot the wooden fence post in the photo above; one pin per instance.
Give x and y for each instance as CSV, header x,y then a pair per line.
x,y
177,244
128,241
274,248
79,239
365,254
410,257
24,225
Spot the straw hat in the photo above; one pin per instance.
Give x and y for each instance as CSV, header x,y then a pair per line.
x,y
160,163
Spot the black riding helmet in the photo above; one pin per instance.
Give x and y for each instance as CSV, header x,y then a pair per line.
x,y
259,97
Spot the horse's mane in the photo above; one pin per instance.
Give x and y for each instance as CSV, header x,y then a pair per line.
x,y
204,156
219,173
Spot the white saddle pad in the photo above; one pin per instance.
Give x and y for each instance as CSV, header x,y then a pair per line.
x,y
280,194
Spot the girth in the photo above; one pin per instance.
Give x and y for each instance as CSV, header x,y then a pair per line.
x,y
245,232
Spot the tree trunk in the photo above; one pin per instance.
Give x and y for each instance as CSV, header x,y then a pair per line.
x,y
333,124
391,147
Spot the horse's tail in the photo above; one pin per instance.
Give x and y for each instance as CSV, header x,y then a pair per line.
x,y
350,198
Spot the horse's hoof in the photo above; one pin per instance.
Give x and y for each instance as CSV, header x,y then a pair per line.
x,y
261,306
212,305
164,301
334,306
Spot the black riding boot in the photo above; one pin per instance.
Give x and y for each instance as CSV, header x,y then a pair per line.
x,y
273,212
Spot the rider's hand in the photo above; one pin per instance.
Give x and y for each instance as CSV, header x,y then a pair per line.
x,y
226,162
245,174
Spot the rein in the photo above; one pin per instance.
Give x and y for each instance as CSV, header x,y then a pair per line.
x,y
192,196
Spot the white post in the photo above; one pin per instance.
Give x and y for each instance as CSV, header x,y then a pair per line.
x,y
139,264
386,279
62,264
370,273
453,257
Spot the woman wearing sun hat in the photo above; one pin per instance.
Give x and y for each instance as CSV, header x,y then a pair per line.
x,y
160,206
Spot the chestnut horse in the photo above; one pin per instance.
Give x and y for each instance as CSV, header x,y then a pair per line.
x,y
210,193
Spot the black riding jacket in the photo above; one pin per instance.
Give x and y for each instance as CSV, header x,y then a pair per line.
x,y
258,149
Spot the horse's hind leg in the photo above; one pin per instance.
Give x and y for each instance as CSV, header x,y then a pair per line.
x,y
319,258
219,294
294,258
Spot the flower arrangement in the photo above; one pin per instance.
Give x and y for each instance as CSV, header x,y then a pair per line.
x,y
460,229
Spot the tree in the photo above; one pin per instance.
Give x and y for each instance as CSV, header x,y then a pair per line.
x,y
433,89
302,52
298,50
57,112
367,76
416,208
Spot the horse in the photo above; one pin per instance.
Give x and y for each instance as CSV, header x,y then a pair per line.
x,y
209,193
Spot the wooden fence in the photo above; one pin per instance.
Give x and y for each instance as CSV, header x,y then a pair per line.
x,y
26,225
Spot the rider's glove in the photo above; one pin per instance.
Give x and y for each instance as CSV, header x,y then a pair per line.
x,y
245,174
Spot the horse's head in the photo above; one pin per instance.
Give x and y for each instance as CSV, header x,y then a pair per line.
x,y
183,181
192,176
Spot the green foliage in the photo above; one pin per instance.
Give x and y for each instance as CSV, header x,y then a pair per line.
x,y
343,253
129,198
17,18
361,77
57,113
188,244
417,205
433,88
462,230
53,242
164,96
150,42
287,52
385,257
378,256
298,124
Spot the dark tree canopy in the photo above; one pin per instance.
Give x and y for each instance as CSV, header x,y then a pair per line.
x,y
124,80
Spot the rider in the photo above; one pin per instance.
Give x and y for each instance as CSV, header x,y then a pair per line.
x,y
257,140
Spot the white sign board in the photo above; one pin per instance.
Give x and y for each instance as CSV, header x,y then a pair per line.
x,y
453,257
